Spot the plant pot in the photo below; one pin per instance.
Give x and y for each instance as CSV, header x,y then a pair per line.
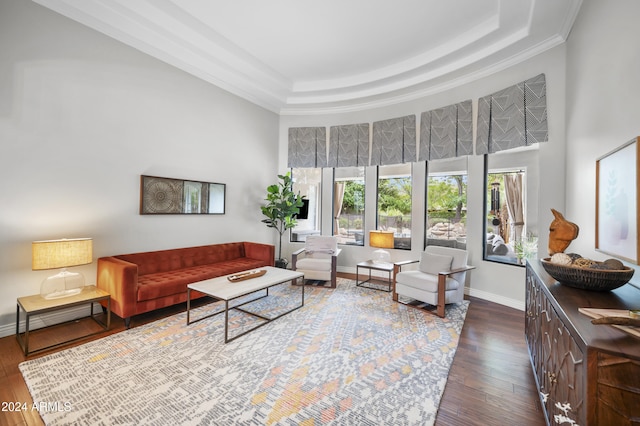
x,y
281,263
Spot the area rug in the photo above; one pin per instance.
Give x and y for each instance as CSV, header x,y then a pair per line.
x,y
350,356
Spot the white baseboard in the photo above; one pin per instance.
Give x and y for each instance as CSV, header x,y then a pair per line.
x,y
480,294
45,320
501,300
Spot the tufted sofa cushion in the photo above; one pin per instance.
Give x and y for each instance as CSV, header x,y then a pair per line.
x,y
142,282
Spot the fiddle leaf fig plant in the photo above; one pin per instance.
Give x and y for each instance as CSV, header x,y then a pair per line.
x,y
282,206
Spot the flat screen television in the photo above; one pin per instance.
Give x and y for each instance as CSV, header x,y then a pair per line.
x,y
304,210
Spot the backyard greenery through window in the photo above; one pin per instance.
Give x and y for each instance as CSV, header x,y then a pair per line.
x,y
394,203
348,205
447,210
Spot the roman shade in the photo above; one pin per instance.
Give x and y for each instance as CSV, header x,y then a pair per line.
x,y
349,145
513,117
307,147
446,132
394,141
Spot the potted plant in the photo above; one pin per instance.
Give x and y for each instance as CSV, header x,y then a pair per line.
x,y
282,206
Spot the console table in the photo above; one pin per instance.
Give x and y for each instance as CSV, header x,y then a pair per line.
x,y
593,369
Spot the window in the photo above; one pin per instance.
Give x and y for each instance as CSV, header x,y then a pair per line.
x,y
394,203
348,205
447,203
511,203
307,182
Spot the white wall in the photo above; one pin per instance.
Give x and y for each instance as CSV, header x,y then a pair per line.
x,y
603,108
493,281
82,117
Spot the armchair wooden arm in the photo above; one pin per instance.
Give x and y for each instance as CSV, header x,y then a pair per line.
x,y
397,267
442,280
334,264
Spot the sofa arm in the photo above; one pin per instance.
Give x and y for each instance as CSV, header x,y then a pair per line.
x,y
120,279
266,252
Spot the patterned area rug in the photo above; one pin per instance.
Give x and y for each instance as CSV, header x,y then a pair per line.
x,y
350,356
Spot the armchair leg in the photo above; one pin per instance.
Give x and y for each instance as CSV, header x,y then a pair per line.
x,y
396,269
334,272
442,279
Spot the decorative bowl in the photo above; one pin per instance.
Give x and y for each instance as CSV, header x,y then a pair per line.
x,y
587,278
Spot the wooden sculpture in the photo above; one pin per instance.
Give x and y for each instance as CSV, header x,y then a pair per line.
x,y
561,233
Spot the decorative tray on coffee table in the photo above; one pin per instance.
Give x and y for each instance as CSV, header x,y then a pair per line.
x,y
246,275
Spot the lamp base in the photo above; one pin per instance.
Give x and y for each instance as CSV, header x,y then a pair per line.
x,y
63,293
381,256
63,284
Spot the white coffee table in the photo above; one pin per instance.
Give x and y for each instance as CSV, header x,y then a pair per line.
x,y
222,289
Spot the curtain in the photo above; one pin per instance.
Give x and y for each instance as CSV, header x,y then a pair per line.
x,y
513,192
338,196
394,141
349,145
307,147
446,132
513,117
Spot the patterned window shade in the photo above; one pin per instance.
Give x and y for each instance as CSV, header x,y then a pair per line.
x,y
446,132
394,141
513,117
349,145
307,147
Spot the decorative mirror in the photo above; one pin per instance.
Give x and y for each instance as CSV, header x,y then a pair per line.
x,y
160,195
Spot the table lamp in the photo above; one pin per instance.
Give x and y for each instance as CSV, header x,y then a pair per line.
x,y
381,240
62,253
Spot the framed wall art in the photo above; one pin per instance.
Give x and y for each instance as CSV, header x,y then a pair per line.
x,y
617,202
160,195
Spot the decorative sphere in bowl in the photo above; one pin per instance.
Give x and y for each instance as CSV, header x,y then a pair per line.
x,y
587,278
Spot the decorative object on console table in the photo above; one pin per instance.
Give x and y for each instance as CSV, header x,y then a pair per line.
x,y
281,209
588,278
561,233
617,196
64,253
381,240
576,271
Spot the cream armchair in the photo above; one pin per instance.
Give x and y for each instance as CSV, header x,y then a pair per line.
x,y
439,279
318,260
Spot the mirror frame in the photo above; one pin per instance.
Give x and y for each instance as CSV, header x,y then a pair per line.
x,y
159,195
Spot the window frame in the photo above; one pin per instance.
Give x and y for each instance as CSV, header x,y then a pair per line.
x,y
318,206
525,160
447,170
400,242
358,236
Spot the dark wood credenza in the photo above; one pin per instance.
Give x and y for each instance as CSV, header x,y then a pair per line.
x,y
593,368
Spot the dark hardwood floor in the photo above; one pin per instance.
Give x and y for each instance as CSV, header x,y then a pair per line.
x,y
490,382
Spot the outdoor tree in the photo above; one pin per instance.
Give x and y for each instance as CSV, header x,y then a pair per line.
x,y
394,196
447,193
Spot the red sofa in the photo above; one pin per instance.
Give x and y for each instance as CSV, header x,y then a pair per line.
x,y
143,282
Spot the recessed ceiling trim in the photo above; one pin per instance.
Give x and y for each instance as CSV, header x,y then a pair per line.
x,y
420,61
170,32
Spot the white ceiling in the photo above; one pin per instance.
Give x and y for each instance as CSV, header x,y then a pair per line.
x,y
304,57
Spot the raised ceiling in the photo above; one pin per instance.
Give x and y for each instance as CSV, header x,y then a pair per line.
x,y
304,57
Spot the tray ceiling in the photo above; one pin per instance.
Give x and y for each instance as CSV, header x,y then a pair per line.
x,y
302,57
